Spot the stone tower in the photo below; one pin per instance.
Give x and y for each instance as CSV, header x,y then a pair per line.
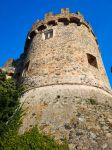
x,y
61,70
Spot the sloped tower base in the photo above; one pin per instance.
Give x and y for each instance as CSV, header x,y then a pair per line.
x,y
82,114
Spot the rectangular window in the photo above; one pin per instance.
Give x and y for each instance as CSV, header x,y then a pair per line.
x,y
92,60
48,34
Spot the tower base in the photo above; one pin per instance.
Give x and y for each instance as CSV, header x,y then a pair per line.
x,y
81,114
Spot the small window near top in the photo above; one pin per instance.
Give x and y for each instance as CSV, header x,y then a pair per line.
x,y
92,60
48,34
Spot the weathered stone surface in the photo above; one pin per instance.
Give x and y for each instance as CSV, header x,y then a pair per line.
x,y
65,94
65,111
62,59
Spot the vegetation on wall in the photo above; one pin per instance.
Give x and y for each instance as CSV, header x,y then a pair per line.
x,y
10,114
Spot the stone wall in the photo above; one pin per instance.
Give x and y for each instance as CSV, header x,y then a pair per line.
x,y
67,91
63,58
81,114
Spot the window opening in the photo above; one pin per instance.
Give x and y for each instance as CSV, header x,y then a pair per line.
x,y
42,27
75,20
48,34
64,20
92,60
53,23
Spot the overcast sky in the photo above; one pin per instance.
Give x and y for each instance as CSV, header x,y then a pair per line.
x,y
17,17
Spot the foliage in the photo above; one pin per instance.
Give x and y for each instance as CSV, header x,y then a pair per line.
x,y
10,133
9,94
2,77
32,140
10,114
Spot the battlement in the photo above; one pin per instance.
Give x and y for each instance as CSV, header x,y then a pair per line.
x,y
51,19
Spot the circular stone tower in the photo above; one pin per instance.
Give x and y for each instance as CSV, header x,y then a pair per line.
x,y
62,68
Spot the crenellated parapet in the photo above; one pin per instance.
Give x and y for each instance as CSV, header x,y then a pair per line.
x,y
52,20
64,16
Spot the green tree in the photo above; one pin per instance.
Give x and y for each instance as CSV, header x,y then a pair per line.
x,y
10,114
9,95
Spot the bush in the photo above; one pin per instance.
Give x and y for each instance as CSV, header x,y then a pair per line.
x,y
32,140
10,114
9,100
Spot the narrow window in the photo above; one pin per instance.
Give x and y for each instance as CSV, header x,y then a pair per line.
x,y
25,68
48,34
92,60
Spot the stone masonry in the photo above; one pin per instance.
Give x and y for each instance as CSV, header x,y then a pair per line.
x,y
67,92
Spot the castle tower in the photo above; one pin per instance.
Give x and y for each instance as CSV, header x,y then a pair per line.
x,y
61,50
62,66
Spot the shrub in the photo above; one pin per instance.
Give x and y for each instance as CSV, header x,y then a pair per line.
x,y
10,114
